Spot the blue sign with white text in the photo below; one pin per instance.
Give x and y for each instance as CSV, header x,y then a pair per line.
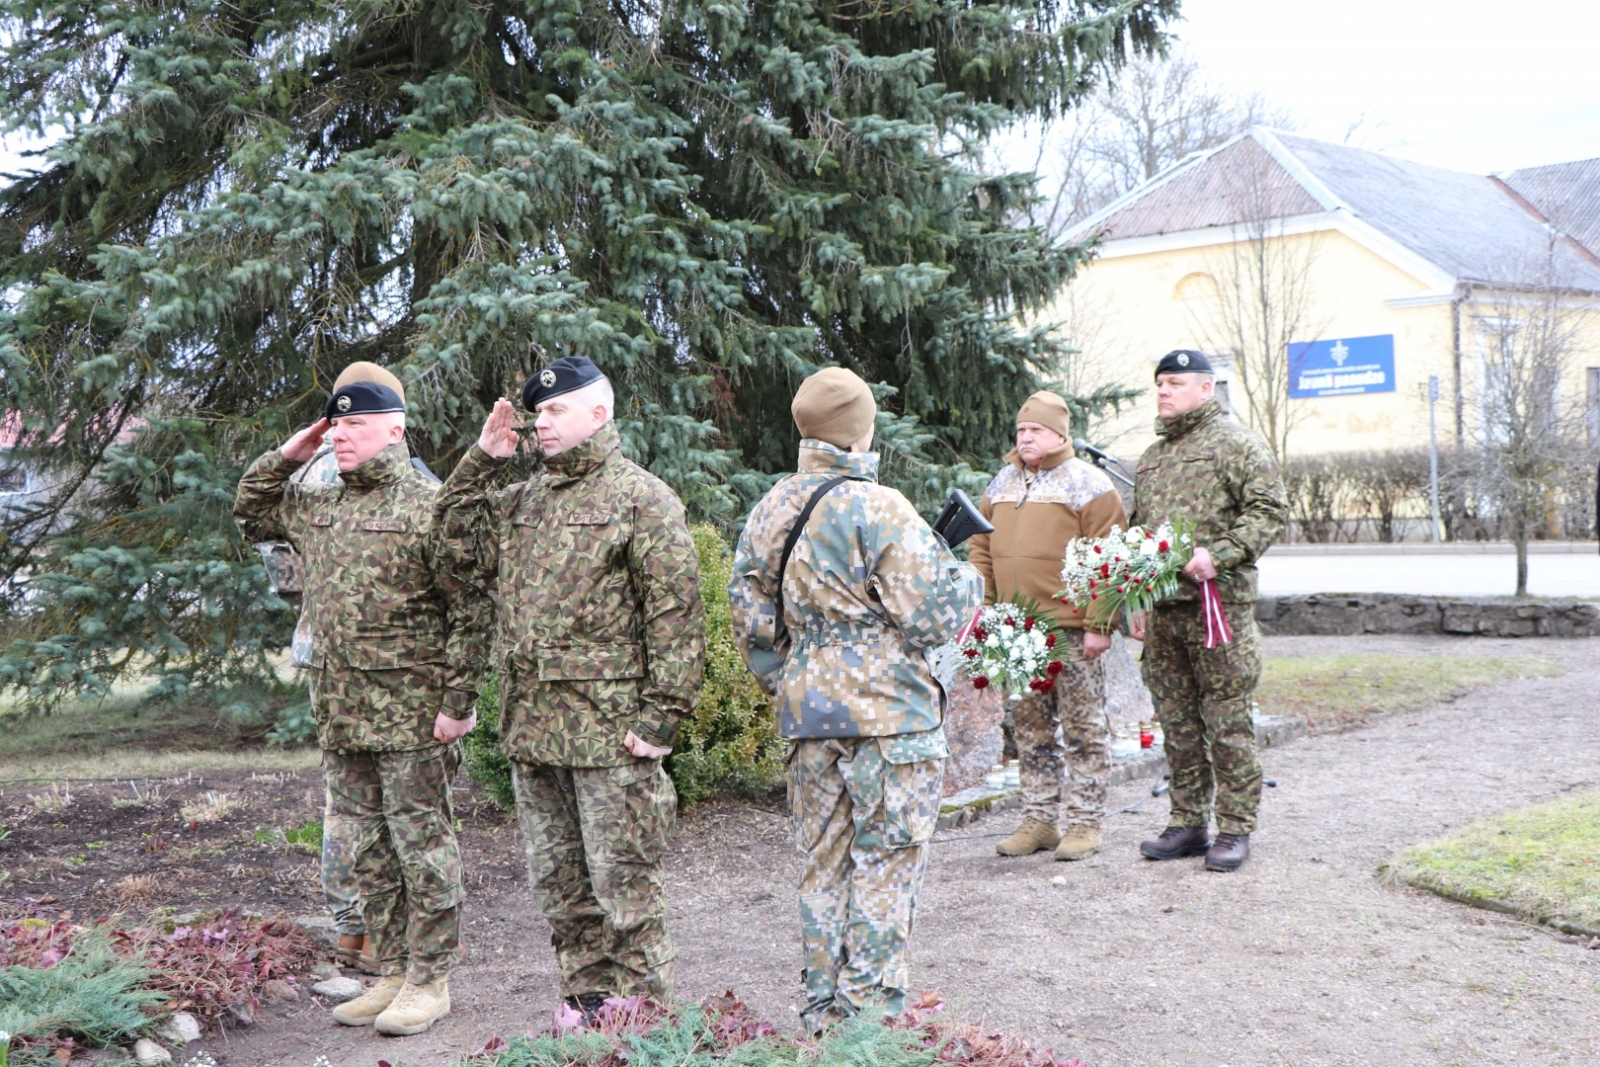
x,y
1342,368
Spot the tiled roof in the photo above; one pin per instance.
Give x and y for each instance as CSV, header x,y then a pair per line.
x,y
1465,224
1239,181
1567,194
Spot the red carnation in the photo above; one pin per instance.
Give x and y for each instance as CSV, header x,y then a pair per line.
x,y
1050,641
1105,570
980,634
1054,668
1097,550
971,653
980,682
1027,626
1164,546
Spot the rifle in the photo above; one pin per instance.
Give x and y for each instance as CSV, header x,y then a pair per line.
x,y
959,519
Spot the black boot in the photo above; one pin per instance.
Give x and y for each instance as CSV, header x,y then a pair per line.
x,y
1228,853
588,1005
1177,842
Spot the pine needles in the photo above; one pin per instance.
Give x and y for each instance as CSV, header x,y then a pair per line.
x,y
91,995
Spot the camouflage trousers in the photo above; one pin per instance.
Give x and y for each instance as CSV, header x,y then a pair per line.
x,y
1203,698
408,863
1065,730
340,836
864,825
594,838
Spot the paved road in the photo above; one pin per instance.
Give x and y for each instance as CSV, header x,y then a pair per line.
x,y
1567,574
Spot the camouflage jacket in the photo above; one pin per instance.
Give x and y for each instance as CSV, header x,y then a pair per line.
x,y
397,635
868,591
601,627
1222,478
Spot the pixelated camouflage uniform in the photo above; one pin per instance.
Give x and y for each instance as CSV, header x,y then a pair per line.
x,y
868,591
1222,478
1064,733
397,639
601,631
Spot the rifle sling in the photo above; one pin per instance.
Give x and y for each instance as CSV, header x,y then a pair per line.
x,y
799,527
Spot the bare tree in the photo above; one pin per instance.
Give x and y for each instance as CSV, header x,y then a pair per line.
x,y
1531,424
1263,301
1157,112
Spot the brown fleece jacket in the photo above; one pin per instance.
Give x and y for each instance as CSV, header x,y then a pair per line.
x,y
1034,518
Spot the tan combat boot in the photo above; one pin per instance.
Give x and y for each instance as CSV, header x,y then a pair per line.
x,y
371,1004
416,1008
1079,842
1032,836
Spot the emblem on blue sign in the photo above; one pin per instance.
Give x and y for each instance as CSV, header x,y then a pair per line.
x,y
1343,367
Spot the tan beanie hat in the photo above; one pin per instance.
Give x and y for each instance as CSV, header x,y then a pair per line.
x,y
834,405
369,372
1048,410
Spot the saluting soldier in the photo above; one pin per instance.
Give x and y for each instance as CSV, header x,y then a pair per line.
x,y
839,590
601,648
1222,478
397,650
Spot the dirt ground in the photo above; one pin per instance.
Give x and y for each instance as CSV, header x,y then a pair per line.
x,y
1302,958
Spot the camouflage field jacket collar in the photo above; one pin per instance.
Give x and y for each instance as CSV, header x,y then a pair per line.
x,y
1189,421
819,457
581,460
390,465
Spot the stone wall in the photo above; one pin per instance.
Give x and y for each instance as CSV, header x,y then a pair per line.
x,y
1395,613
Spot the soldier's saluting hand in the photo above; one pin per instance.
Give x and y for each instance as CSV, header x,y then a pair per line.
x,y
602,642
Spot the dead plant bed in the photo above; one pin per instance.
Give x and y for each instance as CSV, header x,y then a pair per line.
x,y
198,843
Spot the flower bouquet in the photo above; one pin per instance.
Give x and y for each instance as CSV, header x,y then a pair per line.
x,y
1135,569
1126,569
1011,644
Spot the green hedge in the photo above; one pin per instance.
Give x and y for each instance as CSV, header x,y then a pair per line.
x,y
728,744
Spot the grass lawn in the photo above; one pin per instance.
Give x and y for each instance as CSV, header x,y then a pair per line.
x,y
1538,862
1342,690
108,739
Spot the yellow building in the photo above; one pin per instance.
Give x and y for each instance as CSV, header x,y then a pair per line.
x,y
1345,278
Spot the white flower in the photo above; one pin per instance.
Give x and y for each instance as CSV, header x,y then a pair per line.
x,y
1147,548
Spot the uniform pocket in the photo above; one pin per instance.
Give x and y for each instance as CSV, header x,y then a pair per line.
x,y
911,802
648,803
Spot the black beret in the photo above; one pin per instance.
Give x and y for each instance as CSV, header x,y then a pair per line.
x,y
562,376
1184,361
362,398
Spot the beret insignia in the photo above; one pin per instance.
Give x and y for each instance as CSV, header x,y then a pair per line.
x,y
344,403
562,376
1183,359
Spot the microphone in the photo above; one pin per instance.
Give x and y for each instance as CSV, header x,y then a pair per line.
x,y
1100,459
1081,445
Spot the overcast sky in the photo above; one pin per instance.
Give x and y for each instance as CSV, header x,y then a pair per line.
x,y
1467,84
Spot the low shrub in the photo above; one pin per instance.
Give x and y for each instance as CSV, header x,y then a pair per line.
x,y
728,744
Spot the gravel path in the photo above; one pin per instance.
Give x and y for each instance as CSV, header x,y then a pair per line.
x,y
1302,958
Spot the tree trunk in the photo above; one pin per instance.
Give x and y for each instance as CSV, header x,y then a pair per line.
x,y
1521,544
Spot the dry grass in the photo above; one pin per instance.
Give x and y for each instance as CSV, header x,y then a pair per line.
x,y
52,801
136,892
213,807
1538,862
1332,691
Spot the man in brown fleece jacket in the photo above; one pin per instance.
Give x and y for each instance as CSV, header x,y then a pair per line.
x,y
1041,499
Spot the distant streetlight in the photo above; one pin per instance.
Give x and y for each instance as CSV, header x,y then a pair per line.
x,y
1433,458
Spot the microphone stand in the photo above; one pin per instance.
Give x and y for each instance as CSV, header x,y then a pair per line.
x,y
1099,459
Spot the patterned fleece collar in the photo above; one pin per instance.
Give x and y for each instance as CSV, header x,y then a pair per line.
x,y
819,457
585,457
1190,421
390,465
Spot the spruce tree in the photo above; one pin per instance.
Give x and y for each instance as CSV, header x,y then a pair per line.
x,y
709,199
